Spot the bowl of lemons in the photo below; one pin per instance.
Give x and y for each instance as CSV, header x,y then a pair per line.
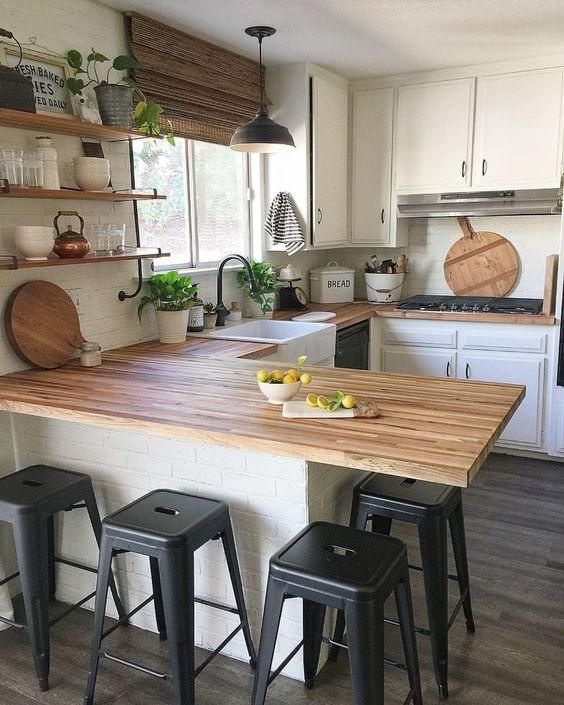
x,y
279,386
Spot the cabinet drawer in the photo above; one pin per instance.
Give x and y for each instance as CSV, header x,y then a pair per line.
x,y
525,341
420,336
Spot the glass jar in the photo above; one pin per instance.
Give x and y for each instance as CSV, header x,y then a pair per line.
x,y
90,354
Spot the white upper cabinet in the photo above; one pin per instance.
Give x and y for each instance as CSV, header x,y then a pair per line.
x,y
329,140
434,136
518,134
372,120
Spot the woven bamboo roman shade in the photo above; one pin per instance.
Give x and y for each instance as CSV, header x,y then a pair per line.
x,y
206,91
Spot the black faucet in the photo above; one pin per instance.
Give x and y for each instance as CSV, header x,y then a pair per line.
x,y
221,311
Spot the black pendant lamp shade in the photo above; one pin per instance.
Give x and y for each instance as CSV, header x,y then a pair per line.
x,y
261,134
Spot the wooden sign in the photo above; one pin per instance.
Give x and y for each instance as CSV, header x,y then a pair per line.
x,y
48,73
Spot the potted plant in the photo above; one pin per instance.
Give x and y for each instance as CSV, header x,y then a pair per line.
x,y
115,100
171,295
261,303
210,315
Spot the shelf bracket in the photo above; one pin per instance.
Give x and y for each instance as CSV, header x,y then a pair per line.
x,y
122,295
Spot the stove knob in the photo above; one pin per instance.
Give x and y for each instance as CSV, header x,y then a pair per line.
x,y
454,307
476,308
443,307
486,308
466,307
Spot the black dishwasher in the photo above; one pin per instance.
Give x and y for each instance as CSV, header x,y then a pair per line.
x,y
353,347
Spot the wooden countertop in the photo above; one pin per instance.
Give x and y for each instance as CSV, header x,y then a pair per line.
x,y
430,428
349,314
200,347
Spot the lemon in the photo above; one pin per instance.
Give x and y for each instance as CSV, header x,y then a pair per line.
x,y
322,402
277,375
289,379
294,373
305,378
311,400
348,401
263,376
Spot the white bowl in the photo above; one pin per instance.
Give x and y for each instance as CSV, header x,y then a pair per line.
x,y
279,393
91,173
33,232
38,250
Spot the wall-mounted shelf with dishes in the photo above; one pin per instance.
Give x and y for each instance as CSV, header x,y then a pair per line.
x,y
75,194
11,262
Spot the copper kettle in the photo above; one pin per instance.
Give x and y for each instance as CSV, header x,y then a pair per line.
x,y
70,243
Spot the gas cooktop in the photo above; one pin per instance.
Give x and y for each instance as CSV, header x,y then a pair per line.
x,y
472,304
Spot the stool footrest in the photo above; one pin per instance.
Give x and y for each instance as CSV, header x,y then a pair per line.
x,y
419,569
456,610
10,577
285,662
11,623
217,605
74,564
419,630
389,662
133,664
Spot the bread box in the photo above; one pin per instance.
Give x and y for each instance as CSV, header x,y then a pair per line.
x,y
331,284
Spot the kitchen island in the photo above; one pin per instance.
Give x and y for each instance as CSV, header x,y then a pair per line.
x,y
150,418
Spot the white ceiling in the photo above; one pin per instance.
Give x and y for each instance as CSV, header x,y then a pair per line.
x,y
363,38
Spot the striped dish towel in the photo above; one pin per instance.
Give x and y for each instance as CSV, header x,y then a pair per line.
x,y
282,224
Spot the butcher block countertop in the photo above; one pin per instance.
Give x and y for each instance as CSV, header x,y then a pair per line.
x,y
349,314
430,428
200,347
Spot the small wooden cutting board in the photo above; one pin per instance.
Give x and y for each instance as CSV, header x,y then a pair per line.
x,y
300,410
481,263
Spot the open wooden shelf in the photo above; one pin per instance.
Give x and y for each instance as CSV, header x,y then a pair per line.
x,y
9,262
65,126
70,194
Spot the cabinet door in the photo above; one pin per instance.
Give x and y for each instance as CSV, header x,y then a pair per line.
x,y
372,166
518,130
434,136
525,428
404,360
329,105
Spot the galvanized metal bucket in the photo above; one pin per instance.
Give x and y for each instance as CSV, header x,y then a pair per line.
x,y
115,104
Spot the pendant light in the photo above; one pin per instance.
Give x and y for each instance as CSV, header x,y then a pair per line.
x,y
261,134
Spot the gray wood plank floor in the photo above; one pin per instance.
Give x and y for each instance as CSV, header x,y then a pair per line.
x,y
515,533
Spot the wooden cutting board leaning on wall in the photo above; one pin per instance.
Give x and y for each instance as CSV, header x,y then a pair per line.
x,y
42,324
481,263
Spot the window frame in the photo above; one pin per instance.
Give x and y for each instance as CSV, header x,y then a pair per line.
x,y
195,264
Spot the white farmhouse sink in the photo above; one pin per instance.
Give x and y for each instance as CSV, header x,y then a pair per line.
x,y
316,340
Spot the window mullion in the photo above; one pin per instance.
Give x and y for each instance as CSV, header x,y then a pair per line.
x,y
192,207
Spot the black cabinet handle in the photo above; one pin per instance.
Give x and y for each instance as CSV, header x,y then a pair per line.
x,y
448,369
484,167
382,216
319,216
467,370
463,170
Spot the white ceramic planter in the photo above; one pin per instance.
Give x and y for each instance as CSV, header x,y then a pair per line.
x,y
253,310
172,325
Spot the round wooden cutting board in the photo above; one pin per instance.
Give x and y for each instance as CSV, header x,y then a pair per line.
x,y
481,264
42,324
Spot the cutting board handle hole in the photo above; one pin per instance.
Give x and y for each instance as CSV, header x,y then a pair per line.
x,y
32,483
407,482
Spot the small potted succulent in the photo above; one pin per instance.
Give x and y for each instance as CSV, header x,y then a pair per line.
x,y
210,315
259,304
171,295
115,100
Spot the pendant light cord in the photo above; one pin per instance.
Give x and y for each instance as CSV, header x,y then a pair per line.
x,y
261,109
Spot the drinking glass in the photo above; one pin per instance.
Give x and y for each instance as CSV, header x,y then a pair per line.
x,y
99,238
33,171
117,238
11,166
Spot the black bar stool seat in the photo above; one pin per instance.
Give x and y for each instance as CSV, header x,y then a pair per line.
x,y
168,527
433,507
329,565
29,499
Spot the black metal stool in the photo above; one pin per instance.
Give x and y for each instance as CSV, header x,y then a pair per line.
x,y
29,499
328,565
431,506
168,527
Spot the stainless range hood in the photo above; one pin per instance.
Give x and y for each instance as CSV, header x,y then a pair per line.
x,y
476,203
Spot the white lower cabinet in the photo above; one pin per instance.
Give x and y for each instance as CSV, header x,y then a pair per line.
x,y
526,428
481,352
404,360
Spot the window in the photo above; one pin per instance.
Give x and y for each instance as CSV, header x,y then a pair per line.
x,y
206,214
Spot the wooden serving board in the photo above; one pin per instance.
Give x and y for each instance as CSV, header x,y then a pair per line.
x,y
42,324
300,410
481,263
